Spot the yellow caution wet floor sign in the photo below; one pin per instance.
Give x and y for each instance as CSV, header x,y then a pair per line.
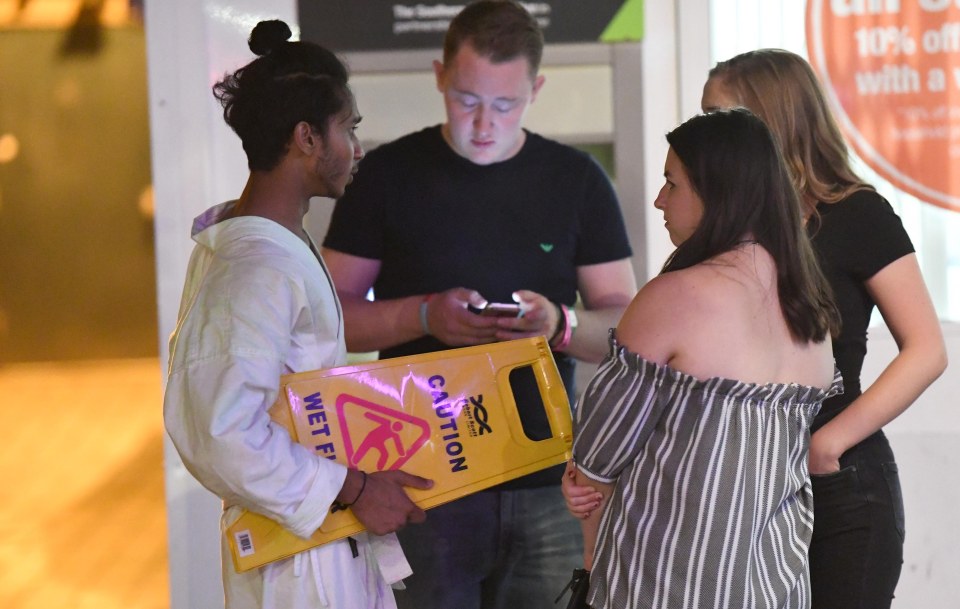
x,y
450,416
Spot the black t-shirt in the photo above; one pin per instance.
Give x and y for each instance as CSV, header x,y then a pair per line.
x,y
855,239
436,221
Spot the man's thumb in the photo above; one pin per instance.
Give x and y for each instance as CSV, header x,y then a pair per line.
x,y
415,481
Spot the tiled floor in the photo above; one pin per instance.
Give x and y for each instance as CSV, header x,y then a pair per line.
x,y
82,518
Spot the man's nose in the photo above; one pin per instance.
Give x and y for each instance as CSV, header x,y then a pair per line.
x,y
481,118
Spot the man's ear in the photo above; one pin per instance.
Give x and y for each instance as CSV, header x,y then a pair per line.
x,y
438,72
305,138
537,84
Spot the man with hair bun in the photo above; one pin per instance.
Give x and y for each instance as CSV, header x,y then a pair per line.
x,y
258,303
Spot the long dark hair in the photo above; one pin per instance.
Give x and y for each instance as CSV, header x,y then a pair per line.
x,y
288,83
736,168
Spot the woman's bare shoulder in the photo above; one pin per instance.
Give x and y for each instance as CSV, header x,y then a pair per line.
x,y
662,312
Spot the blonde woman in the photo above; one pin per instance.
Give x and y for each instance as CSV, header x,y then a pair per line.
x,y
857,547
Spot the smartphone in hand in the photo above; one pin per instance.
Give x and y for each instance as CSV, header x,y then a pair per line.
x,y
497,309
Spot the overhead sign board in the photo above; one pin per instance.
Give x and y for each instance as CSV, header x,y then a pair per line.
x,y
378,25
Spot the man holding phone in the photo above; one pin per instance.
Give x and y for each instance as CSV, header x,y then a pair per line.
x,y
498,309
461,215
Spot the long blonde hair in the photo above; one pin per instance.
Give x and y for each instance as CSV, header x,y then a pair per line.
x,y
781,88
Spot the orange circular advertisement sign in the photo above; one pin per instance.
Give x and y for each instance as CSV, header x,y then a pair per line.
x,y
891,70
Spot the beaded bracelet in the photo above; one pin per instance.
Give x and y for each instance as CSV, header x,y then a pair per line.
x,y
338,506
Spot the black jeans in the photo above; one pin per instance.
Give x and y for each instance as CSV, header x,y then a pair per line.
x,y
858,528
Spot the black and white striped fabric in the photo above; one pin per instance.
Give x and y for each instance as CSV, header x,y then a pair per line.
x,y
713,505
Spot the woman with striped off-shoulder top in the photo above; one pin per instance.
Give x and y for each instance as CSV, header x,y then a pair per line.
x,y
695,428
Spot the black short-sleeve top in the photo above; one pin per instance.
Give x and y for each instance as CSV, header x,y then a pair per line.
x,y
854,239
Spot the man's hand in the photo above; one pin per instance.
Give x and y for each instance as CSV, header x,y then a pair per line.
x,y
540,318
453,324
383,506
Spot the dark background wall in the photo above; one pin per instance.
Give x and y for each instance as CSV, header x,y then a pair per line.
x,y
77,277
